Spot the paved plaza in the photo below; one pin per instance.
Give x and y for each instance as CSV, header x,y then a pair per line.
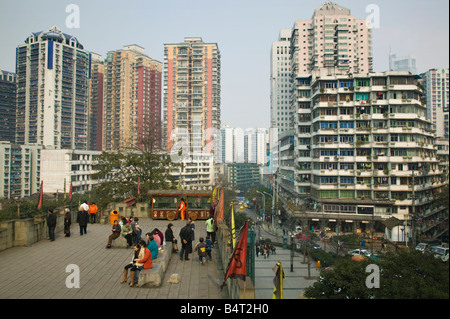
x,y
39,271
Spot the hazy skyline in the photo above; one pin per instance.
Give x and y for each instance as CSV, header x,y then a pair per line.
x,y
244,31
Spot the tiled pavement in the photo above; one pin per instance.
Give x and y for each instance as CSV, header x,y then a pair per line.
x,y
294,282
39,271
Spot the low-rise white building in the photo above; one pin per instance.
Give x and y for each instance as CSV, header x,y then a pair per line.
x,y
60,167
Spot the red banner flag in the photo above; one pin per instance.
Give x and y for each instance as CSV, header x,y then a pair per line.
x,y
70,191
139,187
41,196
237,266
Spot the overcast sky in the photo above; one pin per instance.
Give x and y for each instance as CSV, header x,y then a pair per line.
x,y
243,29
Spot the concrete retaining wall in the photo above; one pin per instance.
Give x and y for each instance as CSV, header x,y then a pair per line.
x,y
25,232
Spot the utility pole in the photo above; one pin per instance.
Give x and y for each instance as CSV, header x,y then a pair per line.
x,y
413,224
292,251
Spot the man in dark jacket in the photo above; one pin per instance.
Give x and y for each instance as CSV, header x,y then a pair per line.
x,y
170,238
51,223
186,241
82,219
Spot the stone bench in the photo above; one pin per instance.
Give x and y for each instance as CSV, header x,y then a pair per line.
x,y
151,278
163,258
120,242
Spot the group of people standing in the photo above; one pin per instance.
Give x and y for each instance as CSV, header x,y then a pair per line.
x,y
203,246
86,212
264,249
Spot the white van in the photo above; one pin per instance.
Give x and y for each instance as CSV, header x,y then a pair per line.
x,y
440,252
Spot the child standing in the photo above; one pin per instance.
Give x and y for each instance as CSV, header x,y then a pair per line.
x,y
201,248
209,245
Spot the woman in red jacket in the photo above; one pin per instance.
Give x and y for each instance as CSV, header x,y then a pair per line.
x,y
144,261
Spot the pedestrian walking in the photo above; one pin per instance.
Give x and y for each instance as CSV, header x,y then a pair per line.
x,y
210,228
82,220
51,223
209,246
201,249
257,250
186,234
212,210
92,211
84,206
67,222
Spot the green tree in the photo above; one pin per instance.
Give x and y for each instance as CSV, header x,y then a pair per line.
x,y
345,281
120,173
413,275
404,274
253,193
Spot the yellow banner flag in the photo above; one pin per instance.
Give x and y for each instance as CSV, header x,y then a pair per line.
x,y
278,281
233,228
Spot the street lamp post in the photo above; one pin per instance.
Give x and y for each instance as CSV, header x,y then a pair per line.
x,y
291,234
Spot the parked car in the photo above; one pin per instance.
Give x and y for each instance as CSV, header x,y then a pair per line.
x,y
440,252
360,251
423,247
312,245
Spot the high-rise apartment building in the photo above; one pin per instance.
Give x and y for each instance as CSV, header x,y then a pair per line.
x,y
281,109
8,90
370,150
405,63
435,83
96,103
255,146
132,100
331,38
191,107
362,150
228,144
52,91
20,170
